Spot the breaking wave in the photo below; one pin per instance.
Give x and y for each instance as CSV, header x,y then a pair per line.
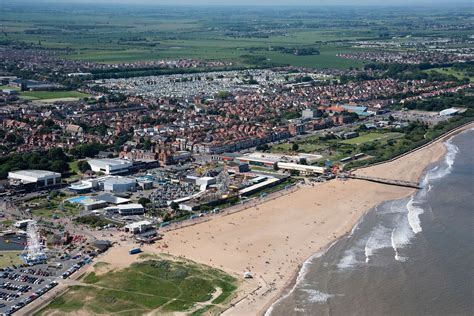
x,y
399,238
349,260
445,167
316,296
379,239
300,278
413,216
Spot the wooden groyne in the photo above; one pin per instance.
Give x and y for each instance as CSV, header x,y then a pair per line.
x,y
398,183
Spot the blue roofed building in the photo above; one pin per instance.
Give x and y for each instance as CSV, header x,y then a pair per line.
x,y
359,110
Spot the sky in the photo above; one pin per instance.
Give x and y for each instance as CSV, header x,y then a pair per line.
x,y
275,2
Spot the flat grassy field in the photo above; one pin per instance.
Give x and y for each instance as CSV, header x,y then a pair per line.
x,y
158,286
9,87
49,95
53,207
370,137
451,71
8,258
303,147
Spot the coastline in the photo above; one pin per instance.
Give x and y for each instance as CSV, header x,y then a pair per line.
x,y
300,272
275,238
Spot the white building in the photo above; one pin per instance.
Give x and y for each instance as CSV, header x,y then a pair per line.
x,y
110,166
127,209
119,184
42,178
448,112
308,114
138,227
23,223
302,168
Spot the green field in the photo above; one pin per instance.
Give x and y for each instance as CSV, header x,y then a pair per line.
x,y
451,71
370,137
125,33
9,258
51,95
46,208
157,286
303,147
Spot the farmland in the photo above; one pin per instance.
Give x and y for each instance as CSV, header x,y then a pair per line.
x,y
242,36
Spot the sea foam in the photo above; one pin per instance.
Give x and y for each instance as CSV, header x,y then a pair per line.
x,y
379,239
300,278
413,216
316,296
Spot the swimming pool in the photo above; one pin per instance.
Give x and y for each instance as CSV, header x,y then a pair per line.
x,y
79,199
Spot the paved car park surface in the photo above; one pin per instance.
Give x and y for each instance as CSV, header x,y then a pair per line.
x,y
21,285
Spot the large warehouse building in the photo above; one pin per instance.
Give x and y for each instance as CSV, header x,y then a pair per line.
x,y
110,166
119,185
35,178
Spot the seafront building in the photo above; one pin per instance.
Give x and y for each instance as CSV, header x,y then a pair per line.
x,y
34,179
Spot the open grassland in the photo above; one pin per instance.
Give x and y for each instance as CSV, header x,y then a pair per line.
x,y
51,95
335,149
459,74
9,258
49,207
153,286
370,137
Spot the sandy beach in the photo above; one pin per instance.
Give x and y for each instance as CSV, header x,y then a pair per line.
x,y
272,240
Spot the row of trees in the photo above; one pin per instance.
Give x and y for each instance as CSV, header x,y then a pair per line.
x,y
438,104
54,159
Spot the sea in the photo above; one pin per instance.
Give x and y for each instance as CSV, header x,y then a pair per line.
x,y
412,256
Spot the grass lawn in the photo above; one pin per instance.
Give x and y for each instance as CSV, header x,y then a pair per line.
x,y
9,88
451,71
8,258
74,167
303,147
370,137
52,207
156,285
46,95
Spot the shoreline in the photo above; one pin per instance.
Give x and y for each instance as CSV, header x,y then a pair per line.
x,y
302,224
300,273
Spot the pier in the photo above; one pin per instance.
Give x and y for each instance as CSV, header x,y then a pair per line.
x,y
398,183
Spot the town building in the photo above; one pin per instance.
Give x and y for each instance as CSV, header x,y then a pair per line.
x,y
110,166
126,209
119,184
35,179
307,114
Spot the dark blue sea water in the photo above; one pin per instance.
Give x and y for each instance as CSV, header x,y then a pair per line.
x,y
413,256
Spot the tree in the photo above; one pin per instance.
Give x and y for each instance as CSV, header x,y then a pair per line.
x,y
174,206
60,166
294,173
144,201
83,166
295,147
147,144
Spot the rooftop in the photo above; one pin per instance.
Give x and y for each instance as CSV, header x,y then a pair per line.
x,y
35,173
109,161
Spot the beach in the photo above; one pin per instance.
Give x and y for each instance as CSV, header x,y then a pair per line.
x,y
273,239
